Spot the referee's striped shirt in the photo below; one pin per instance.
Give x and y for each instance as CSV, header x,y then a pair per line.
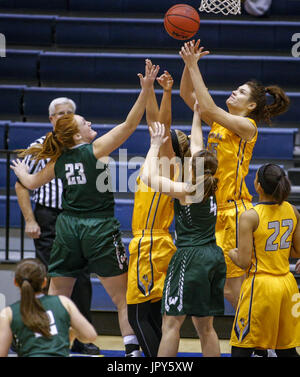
x,y
50,194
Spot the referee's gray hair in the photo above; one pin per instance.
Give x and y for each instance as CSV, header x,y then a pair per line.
x,y
61,101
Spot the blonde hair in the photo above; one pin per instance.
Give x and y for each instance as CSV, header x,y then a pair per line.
x,y
56,141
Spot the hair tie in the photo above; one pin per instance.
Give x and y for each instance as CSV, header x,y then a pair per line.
x,y
26,279
207,171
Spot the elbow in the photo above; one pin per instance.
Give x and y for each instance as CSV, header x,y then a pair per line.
x,y
207,110
31,186
244,265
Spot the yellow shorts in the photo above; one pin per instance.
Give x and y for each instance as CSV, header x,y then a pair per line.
x,y
148,263
227,231
268,314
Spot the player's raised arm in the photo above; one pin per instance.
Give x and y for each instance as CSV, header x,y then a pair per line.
x,y
107,143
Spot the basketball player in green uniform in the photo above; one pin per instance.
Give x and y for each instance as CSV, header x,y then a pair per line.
x,y
41,324
196,274
87,233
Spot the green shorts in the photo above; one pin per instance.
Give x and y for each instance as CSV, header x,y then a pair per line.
x,y
92,242
195,281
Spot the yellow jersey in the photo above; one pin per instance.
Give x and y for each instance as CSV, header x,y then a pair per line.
x,y
152,246
273,238
152,210
234,155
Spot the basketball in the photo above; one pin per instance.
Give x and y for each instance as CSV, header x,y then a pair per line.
x,y
182,21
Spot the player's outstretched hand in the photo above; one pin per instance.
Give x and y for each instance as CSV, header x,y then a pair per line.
x,y
166,81
191,52
151,72
157,132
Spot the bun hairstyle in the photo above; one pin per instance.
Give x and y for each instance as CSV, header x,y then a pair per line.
x,y
263,111
210,168
29,276
56,141
180,144
274,182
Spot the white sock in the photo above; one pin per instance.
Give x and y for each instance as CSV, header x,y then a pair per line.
x,y
130,339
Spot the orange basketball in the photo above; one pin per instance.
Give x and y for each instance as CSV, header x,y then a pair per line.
x,y
182,21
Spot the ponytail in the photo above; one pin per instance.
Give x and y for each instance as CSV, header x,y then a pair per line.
x,y
264,112
30,274
210,168
55,142
280,104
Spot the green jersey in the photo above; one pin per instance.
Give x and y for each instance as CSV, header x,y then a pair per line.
x,y
195,223
86,183
30,344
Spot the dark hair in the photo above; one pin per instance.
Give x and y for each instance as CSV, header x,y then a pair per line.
x,y
210,168
180,144
274,182
263,112
29,276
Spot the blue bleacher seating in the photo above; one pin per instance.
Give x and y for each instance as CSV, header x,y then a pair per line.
x,y
20,63
35,4
107,104
20,134
15,213
3,175
225,70
11,101
3,133
270,137
278,7
149,33
287,7
126,5
27,29
37,100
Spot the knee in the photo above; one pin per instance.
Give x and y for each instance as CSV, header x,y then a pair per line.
x,y
170,324
205,330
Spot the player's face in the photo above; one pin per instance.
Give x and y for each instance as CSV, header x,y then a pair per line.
x,y
85,130
61,110
239,99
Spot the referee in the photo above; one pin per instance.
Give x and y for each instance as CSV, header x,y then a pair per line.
x,y
40,223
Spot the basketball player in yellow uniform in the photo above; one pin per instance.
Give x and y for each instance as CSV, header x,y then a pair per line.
x,y
233,135
267,314
152,245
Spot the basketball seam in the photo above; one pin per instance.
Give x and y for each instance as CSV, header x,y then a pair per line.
x,y
179,28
